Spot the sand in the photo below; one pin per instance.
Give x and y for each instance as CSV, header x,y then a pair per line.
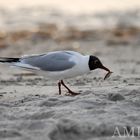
x,y
31,109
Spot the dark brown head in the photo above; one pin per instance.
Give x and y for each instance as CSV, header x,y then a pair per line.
x,y
95,63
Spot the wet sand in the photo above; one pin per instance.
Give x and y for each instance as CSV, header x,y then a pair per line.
x,y
30,106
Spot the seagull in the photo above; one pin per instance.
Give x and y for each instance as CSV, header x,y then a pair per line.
x,y
58,65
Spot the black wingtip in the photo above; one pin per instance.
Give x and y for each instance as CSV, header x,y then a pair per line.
x,y
8,60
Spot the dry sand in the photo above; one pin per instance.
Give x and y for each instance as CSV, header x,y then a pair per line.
x,y
31,109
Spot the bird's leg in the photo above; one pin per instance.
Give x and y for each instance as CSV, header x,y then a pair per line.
x,y
70,92
59,86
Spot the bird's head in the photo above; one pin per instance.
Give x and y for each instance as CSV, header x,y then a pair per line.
x,y
95,63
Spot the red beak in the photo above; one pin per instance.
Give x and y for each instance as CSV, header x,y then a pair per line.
x,y
108,74
103,67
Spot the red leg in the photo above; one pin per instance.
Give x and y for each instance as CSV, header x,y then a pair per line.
x,y
59,86
70,92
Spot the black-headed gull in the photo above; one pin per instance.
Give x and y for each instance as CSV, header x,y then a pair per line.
x,y
58,65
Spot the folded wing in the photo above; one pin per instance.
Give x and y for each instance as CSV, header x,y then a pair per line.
x,y
56,61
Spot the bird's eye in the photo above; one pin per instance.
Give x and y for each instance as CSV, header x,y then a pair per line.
x,y
95,62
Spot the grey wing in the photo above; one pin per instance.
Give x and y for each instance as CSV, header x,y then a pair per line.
x,y
57,61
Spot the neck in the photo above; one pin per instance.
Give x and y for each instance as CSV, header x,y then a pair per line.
x,y
84,64
86,61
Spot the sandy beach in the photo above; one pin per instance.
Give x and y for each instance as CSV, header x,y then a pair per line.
x,y
30,107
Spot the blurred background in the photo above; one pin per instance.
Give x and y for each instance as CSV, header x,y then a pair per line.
x,y
61,21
